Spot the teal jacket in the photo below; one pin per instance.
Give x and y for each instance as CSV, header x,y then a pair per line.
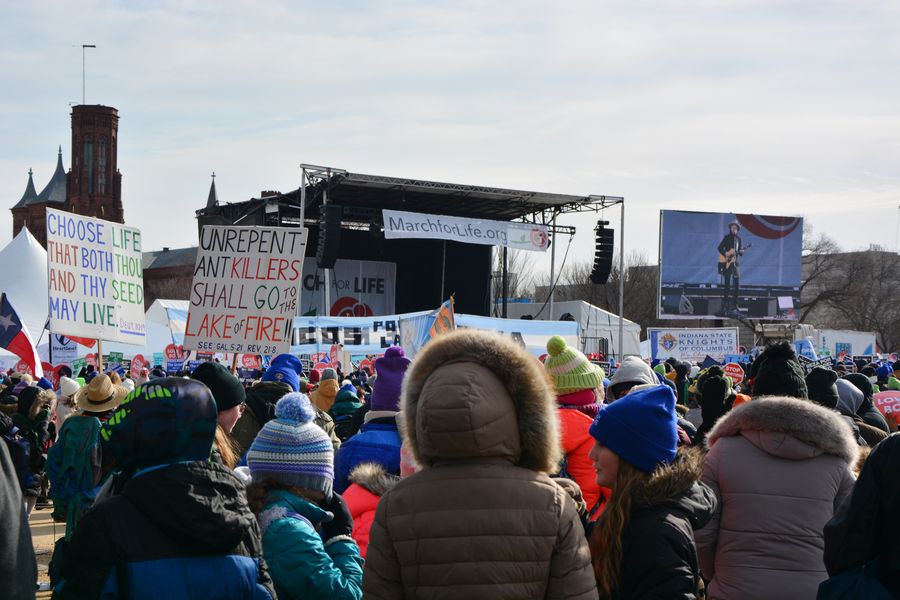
x,y
300,563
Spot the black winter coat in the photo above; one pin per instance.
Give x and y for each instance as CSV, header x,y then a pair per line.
x,y
659,558
182,531
865,526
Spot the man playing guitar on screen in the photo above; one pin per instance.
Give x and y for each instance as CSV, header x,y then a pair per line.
x,y
731,248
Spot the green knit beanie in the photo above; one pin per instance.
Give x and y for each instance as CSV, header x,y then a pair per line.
x,y
570,369
893,383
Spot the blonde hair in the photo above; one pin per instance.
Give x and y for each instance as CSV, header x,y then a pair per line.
x,y
605,542
227,448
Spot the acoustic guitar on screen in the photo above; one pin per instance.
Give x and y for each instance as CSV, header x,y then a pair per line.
x,y
727,260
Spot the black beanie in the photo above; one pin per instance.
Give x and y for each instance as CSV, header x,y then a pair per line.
x,y
822,390
779,373
226,389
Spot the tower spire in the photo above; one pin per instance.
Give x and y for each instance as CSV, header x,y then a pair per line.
x,y
213,199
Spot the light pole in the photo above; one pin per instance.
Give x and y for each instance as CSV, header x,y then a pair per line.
x,y
83,47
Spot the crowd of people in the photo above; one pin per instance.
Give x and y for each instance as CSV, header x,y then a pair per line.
x,y
473,471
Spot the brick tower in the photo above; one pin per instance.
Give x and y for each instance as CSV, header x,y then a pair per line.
x,y
95,183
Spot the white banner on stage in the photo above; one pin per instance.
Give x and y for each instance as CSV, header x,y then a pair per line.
x,y
518,236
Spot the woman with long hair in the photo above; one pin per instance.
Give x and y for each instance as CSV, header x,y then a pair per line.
x,y
642,546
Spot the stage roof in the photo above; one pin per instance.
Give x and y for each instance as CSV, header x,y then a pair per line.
x,y
365,196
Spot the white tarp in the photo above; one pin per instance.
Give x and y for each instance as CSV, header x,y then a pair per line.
x,y
597,328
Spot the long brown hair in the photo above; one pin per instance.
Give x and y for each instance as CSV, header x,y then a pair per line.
x,y
606,539
258,493
227,448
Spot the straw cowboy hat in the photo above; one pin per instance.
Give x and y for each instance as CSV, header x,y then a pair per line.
x,y
100,395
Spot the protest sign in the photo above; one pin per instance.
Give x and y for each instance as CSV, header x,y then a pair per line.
x,y
62,350
887,402
694,344
245,292
115,358
96,278
734,372
251,362
51,374
78,364
158,359
137,364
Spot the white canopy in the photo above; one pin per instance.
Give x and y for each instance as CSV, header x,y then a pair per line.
x,y
594,324
23,277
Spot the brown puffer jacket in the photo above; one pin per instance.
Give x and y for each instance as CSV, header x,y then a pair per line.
x,y
481,519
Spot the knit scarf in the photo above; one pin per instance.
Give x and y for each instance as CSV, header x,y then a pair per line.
x,y
584,401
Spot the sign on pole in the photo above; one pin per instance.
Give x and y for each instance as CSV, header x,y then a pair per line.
x,y
245,290
96,278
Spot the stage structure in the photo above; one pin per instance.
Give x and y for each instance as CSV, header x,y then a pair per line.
x,y
348,207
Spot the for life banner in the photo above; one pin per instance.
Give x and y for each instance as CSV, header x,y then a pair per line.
x,y
693,345
96,278
723,265
519,236
359,288
245,294
373,335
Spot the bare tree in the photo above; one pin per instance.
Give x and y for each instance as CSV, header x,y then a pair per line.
x,y
520,276
641,288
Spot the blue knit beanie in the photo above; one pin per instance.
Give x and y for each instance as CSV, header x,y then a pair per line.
x,y
292,449
641,427
285,368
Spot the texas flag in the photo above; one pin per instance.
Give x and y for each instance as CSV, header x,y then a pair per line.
x,y
14,337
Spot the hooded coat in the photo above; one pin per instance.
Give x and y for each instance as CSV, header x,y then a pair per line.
x,y
865,528
780,467
659,559
867,410
850,400
181,531
481,519
369,482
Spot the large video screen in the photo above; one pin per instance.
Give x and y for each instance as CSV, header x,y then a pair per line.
x,y
726,265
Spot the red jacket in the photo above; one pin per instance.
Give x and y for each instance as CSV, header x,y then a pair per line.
x,y
369,482
577,442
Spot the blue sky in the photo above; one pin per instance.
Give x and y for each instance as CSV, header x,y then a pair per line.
x,y
786,108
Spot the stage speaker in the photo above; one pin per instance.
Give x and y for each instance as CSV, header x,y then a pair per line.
x,y
329,235
603,253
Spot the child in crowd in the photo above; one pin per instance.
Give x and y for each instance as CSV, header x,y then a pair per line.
x,y
306,527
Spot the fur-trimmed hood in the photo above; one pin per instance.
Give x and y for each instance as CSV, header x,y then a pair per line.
x,y
789,428
676,486
473,394
373,477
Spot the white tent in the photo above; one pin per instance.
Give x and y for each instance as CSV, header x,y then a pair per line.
x,y
597,328
23,277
